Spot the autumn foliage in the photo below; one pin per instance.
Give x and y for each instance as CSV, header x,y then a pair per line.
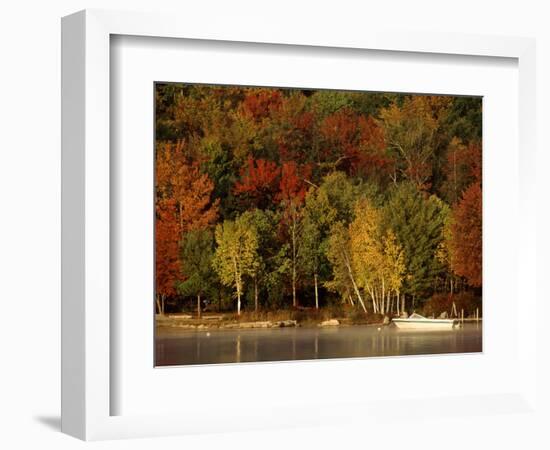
x,y
258,182
166,249
302,197
293,185
183,203
260,104
466,231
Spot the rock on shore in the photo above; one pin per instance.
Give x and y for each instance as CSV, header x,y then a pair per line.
x,y
329,323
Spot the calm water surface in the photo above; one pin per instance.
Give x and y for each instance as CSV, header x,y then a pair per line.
x,y
287,344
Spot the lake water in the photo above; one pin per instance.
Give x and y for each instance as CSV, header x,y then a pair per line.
x,y
287,344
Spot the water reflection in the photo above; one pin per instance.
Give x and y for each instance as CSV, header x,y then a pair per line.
x,y
284,344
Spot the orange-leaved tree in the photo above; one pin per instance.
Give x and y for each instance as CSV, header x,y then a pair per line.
x,y
466,236
166,251
183,203
182,181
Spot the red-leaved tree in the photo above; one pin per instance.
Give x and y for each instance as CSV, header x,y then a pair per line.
x,y
258,183
462,168
369,157
340,133
260,104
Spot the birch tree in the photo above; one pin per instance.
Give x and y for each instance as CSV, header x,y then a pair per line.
x,y
366,252
318,216
236,254
339,255
377,258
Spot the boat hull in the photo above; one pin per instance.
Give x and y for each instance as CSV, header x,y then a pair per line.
x,y
424,324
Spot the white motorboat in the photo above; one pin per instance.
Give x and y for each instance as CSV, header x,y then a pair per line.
x,y
418,322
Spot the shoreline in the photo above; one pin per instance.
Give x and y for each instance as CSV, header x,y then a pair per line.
x,y
180,324
174,325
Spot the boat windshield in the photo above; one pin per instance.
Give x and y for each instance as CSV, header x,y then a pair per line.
x,y
416,316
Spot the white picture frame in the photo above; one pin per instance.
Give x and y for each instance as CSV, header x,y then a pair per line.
x,y
87,386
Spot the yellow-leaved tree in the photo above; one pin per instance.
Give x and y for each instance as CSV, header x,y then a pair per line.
x,y
236,255
377,257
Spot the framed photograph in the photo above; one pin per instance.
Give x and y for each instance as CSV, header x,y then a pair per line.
x,y
273,223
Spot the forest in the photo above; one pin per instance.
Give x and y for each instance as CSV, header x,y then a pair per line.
x,y
273,199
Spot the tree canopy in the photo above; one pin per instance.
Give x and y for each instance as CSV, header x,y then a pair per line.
x,y
279,197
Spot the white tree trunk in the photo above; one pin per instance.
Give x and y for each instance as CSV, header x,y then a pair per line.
x,y
316,292
238,302
383,297
237,284
256,294
158,304
350,273
374,302
358,294
355,286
